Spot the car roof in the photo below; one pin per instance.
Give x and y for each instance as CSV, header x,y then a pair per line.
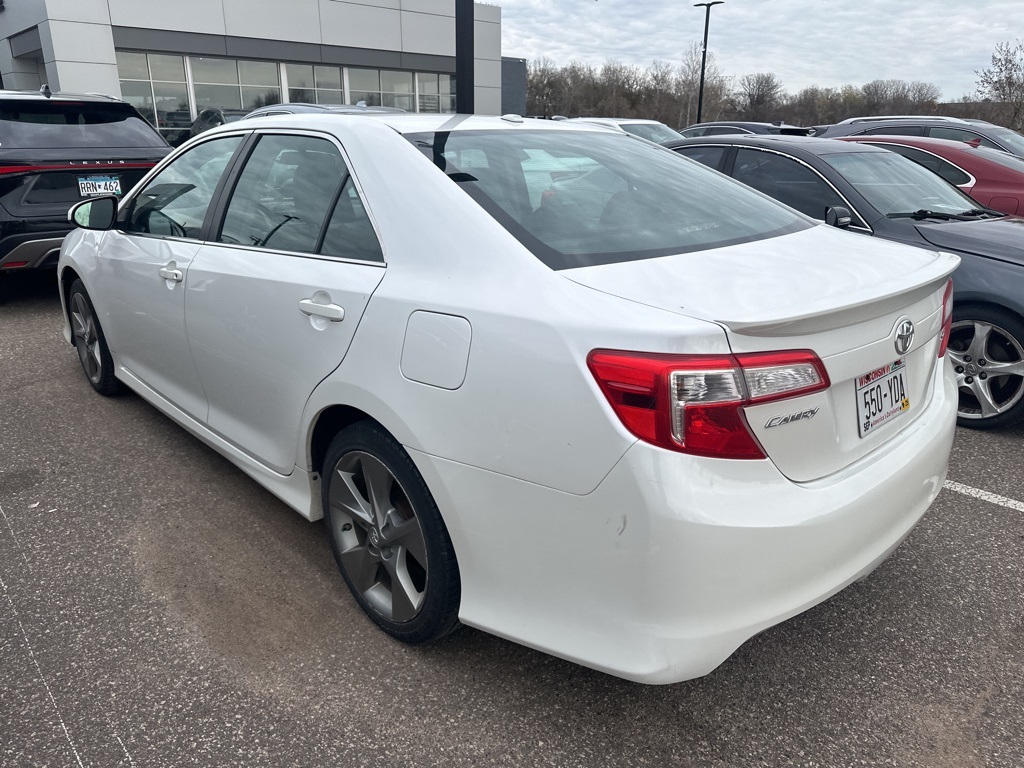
x,y
412,122
617,120
953,145
58,96
940,119
807,144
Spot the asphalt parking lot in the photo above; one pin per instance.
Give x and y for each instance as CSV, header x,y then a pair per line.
x,y
159,608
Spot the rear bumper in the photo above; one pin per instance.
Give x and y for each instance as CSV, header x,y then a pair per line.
x,y
34,251
674,561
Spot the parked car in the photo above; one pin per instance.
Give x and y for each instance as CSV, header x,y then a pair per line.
x,y
297,108
877,192
211,117
55,150
978,132
992,177
727,127
522,410
651,130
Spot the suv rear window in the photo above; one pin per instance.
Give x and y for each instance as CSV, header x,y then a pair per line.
x,y
33,124
581,199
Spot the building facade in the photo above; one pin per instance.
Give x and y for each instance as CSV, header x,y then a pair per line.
x,y
175,60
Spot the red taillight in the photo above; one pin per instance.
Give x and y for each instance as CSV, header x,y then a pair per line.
x,y
7,170
694,403
947,318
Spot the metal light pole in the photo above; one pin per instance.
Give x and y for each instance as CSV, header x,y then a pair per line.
x,y
464,55
704,53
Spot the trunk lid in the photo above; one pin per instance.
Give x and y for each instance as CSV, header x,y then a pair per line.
x,y
839,295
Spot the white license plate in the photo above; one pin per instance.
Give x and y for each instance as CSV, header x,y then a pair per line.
x,y
98,185
881,396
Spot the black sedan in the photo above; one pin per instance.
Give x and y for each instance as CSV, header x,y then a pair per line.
x,y
876,192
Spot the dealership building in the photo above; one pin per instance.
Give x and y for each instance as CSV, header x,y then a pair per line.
x,y
173,60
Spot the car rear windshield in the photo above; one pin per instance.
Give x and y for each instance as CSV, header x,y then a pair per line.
x,y
34,124
578,199
655,132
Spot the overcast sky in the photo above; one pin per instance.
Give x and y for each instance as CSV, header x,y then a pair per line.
x,y
804,42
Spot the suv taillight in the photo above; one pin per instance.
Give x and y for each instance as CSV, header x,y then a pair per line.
x,y
694,403
947,317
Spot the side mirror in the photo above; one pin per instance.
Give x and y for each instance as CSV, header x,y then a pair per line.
x,y
99,213
837,216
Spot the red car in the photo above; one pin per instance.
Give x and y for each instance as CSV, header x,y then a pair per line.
x,y
993,178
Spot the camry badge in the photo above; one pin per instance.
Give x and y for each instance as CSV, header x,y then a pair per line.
x,y
778,421
904,336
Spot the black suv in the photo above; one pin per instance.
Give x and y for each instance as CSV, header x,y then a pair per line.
x,y
55,150
977,132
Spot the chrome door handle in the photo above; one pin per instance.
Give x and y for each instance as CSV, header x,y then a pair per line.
x,y
332,312
171,274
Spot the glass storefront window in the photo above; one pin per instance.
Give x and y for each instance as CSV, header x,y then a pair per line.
x,y
363,80
300,83
160,86
214,71
132,66
427,83
222,96
258,73
255,97
406,101
396,82
168,68
328,78
372,98
139,95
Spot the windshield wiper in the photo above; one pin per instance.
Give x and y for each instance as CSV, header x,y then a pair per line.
x,y
924,213
983,212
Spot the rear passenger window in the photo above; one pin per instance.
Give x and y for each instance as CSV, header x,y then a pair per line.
x,y
945,169
284,193
709,156
350,234
894,130
787,180
959,134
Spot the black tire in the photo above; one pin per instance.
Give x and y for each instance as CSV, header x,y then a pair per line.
x,y
986,347
387,535
90,342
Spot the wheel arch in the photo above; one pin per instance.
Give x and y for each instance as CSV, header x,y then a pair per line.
x,y
67,278
329,422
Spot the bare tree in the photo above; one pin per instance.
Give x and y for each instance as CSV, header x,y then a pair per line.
x,y
1004,81
759,96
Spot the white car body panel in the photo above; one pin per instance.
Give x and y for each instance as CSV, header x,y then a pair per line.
x,y
571,535
257,354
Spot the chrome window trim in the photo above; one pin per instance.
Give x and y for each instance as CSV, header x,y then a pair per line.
x,y
885,145
853,211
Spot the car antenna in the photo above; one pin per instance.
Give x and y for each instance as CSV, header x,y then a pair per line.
x,y
45,90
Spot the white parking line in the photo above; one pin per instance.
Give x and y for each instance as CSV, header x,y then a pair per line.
x,y
39,671
993,498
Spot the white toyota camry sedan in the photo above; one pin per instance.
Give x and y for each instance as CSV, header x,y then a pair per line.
x,y
546,380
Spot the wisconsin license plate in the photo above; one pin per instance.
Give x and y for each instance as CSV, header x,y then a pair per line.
x,y
89,186
881,396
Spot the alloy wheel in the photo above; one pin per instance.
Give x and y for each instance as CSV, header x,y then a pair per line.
x,y
379,540
989,366
87,341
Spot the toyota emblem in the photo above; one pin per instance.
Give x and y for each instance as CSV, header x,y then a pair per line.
x,y
904,336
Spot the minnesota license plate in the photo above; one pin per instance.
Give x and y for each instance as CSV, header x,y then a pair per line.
x,y
881,396
89,186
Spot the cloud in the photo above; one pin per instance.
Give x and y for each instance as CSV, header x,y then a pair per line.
x,y
804,42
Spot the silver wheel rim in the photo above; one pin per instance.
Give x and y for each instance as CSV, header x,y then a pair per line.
x,y
379,539
87,342
989,365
